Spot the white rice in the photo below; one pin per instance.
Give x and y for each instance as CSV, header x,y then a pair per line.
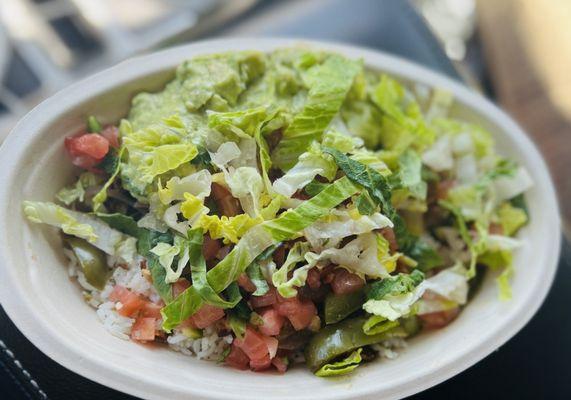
x,y
209,347
390,349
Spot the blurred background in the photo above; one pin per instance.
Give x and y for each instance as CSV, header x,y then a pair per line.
x,y
516,52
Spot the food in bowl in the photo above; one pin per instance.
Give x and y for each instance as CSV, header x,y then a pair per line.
x,y
268,208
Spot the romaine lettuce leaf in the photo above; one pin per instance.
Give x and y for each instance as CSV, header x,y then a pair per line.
x,y
226,272
342,223
310,164
75,223
198,271
328,85
290,223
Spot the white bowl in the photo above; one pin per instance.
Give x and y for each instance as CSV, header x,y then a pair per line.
x,y
38,296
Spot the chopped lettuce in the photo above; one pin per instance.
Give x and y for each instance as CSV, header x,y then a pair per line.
x,y
197,184
342,367
310,164
394,297
200,281
281,280
328,85
290,223
410,167
226,272
340,224
359,256
167,253
511,218
231,229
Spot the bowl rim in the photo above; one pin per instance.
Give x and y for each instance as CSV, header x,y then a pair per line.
x,y
21,311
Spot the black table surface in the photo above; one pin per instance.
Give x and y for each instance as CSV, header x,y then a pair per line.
x,y
532,365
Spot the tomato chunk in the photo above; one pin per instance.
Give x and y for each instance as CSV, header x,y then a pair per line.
x,y
299,313
272,322
237,358
253,344
207,315
272,344
130,303
261,364
151,310
143,329
281,364
86,150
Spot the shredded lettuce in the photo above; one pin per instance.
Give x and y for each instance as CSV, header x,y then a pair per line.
x,y
197,184
200,281
340,224
226,272
342,367
76,192
231,229
167,253
310,164
101,196
290,223
394,297
376,324
78,224
280,278
511,218
328,85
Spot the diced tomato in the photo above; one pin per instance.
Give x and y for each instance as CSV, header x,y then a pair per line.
x,y
90,144
439,319
272,344
119,292
272,322
143,329
299,313
314,278
253,344
266,300
207,315
346,282
237,358
246,283
151,310
280,363
86,150
210,247
180,286
261,364
111,133
131,302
